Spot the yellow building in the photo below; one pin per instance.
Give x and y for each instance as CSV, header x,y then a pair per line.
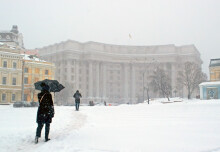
x,y
214,69
10,73
35,70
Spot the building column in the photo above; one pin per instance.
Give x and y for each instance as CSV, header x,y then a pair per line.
x,y
90,80
97,80
125,83
68,71
83,67
104,81
173,79
77,74
133,84
61,71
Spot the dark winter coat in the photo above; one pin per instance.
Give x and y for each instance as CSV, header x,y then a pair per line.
x,y
45,111
77,97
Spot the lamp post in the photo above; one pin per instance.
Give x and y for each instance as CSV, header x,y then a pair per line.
x,y
148,98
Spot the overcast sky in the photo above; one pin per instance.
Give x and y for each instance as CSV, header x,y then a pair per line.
x,y
149,22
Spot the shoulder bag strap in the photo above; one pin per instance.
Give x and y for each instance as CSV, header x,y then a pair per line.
x,y
42,97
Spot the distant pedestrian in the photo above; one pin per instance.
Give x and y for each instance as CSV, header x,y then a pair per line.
x,y
45,112
77,97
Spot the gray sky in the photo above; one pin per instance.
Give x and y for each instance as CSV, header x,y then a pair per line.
x,y
150,22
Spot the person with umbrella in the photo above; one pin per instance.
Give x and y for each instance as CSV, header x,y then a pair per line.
x,y
45,112
77,97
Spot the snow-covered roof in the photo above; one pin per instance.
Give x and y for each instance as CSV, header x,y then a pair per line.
x,y
31,57
209,83
8,45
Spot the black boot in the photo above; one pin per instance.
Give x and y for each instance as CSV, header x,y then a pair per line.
x,y
47,130
36,139
47,139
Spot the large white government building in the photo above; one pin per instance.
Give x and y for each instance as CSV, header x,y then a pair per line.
x,y
114,73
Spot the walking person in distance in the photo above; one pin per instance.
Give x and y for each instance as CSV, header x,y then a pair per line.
x,y
77,97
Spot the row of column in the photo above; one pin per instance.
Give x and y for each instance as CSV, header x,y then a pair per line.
x,y
91,82
129,80
99,76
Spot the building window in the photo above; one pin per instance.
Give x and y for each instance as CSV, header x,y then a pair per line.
x,y
72,77
14,81
72,69
169,66
3,97
65,69
25,80
36,79
37,70
13,97
46,72
4,79
14,65
8,37
25,70
5,64
25,97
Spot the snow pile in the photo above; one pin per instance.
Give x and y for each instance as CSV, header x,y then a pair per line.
x,y
164,100
187,126
209,83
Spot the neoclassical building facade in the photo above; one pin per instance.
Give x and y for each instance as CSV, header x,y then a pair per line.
x,y
116,73
10,73
35,70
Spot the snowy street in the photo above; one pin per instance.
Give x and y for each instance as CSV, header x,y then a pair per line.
x,y
189,126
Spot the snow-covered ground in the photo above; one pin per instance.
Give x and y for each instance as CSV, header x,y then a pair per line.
x,y
188,126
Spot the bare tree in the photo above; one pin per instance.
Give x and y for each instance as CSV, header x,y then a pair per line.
x,y
191,77
161,82
63,96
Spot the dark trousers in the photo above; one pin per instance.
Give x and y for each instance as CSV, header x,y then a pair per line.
x,y
47,129
77,105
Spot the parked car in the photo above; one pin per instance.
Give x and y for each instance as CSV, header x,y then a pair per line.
x,y
34,104
25,104
18,104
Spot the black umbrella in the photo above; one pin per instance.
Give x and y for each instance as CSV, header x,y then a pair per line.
x,y
54,85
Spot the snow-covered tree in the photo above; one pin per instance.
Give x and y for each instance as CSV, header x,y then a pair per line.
x,y
191,76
